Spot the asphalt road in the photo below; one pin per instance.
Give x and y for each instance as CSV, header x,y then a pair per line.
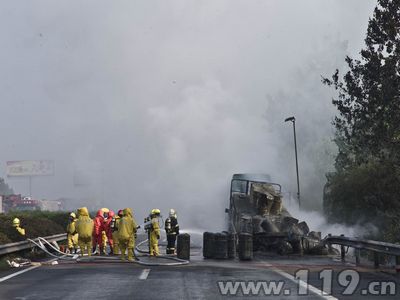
x,y
201,279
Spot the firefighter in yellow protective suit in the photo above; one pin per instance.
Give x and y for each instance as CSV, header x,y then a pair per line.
x,y
154,232
126,233
72,235
114,228
17,225
84,228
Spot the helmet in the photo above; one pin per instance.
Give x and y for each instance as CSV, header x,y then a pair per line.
x,y
16,222
104,209
172,213
155,211
72,215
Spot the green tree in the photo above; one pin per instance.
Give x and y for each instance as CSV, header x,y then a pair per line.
x,y
368,125
4,188
366,184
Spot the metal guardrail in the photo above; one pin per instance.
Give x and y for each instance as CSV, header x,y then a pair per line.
x,y
381,247
18,246
360,244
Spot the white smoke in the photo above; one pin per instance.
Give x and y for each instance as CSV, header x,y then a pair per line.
x,y
317,222
157,103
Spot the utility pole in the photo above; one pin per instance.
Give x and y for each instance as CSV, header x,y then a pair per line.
x,y
293,120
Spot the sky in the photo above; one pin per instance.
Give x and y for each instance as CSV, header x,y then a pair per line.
x,y
157,103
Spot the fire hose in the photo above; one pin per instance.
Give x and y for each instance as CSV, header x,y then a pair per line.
x,y
76,258
44,249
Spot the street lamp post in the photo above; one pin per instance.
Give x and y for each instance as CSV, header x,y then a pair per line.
x,y
293,120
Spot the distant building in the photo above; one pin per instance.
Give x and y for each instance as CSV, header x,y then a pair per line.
x,y
18,203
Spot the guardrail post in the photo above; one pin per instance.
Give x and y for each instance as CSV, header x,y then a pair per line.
x,y
376,260
329,244
342,251
398,265
357,253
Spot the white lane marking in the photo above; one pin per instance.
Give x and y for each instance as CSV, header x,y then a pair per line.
x,y
144,274
18,273
24,270
308,286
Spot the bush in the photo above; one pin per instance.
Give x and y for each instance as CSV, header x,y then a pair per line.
x,y
4,239
36,223
365,194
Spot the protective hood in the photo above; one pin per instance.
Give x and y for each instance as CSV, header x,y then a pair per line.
x,y
105,209
83,211
127,212
111,214
99,213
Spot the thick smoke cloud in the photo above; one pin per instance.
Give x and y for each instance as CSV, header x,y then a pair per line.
x,y
157,103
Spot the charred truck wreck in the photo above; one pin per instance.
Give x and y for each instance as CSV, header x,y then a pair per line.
x,y
256,208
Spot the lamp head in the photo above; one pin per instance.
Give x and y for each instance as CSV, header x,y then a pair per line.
x,y
290,119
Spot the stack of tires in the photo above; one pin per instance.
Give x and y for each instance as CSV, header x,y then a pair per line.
x,y
222,245
245,246
183,246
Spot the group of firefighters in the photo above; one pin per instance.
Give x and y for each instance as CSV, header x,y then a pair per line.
x,y
118,231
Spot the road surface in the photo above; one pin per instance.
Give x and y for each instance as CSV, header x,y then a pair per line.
x,y
201,279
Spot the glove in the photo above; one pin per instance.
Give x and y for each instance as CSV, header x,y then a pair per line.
x,y
158,236
135,236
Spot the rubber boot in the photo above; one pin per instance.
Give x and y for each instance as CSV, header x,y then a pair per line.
x,y
111,250
94,249
155,251
116,249
71,250
123,253
130,254
81,246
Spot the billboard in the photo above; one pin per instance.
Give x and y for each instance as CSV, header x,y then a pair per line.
x,y
30,167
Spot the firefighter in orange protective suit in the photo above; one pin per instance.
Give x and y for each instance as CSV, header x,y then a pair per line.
x,y
108,231
99,238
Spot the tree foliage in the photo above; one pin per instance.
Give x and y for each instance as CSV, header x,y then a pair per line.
x,y
365,186
4,188
368,125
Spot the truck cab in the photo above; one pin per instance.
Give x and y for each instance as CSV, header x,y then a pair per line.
x,y
242,205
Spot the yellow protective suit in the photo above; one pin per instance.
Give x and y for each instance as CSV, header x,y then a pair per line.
x,y
154,236
17,225
72,235
20,230
126,233
84,228
104,241
115,235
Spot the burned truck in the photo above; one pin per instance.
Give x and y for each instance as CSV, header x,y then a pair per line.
x,y
256,208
